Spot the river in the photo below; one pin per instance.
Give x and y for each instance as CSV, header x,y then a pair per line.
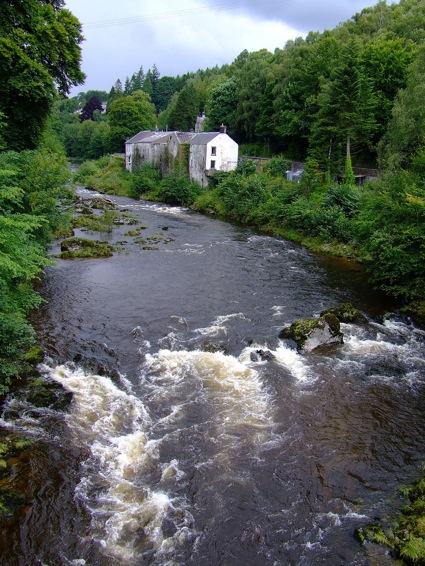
x,y
179,446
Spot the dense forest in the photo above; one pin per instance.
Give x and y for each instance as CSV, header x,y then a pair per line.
x,y
344,98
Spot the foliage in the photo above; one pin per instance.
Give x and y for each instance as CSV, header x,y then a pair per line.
x,y
406,538
86,140
145,180
127,116
106,175
346,107
390,230
406,128
221,106
39,56
164,90
176,189
246,167
277,166
90,107
30,185
186,110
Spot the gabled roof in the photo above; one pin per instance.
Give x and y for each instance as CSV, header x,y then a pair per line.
x,y
185,137
149,136
158,137
140,136
203,138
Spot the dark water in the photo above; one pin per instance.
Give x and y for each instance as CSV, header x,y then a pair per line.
x,y
175,453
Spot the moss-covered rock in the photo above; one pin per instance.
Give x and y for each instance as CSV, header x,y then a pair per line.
x,y
346,312
84,248
136,231
10,502
11,448
34,355
42,393
313,333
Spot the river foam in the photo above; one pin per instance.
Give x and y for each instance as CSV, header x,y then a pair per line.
x,y
112,426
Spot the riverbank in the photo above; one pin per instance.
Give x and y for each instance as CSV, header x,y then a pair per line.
x,y
118,319
369,225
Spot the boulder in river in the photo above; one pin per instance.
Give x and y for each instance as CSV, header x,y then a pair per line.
x,y
345,312
213,347
262,355
313,333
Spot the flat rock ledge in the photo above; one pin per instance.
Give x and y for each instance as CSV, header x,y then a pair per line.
x,y
78,248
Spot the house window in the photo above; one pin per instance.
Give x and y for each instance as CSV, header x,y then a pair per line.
x,y
212,165
214,150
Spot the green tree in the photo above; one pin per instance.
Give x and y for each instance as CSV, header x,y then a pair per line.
x,y
155,75
386,62
406,129
302,68
89,108
390,229
127,116
115,92
347,105
148,85
30,184
164,90
221,105
252,80
186,109
39,56
165,118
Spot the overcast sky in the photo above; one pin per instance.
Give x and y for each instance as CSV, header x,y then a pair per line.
x,y
122,35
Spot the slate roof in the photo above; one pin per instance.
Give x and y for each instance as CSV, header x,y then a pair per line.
x,y
203,138
148,136
140,136
185,137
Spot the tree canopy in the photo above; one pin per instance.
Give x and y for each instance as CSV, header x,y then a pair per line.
x,y
90,107
128,115
39,56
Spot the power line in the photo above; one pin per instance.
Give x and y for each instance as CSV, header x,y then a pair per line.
x,y
166,15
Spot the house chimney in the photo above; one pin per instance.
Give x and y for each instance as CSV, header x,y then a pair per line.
x,y
223,129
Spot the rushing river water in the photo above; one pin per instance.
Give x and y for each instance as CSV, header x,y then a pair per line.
x,y
178,447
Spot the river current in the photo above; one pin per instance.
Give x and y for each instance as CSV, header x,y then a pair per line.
x,y
181,446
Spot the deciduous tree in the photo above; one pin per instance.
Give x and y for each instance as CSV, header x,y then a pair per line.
x,y
89,108
40,55
127,116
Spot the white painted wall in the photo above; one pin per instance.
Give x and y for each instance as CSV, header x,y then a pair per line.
x,y
220,154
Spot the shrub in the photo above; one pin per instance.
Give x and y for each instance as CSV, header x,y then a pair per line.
x,y
179,190
145,180
277,166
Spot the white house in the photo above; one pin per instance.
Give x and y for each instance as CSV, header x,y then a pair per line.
x,y
208,152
